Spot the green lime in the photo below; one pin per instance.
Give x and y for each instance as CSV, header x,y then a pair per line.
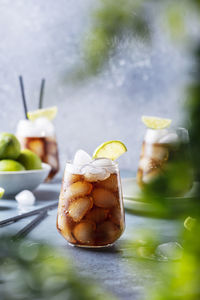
x,y
110,149
30,160
10,165
9,146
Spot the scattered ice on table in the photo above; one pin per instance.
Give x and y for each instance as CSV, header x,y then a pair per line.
x,y
82,158
169,251
25,198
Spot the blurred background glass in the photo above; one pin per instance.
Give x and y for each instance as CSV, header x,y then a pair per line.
x,y
45,38
147,63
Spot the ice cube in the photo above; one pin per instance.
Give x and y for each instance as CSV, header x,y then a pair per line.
x,y
115,215
79,207
110,183
159,152
37,146
145,164
171,251
52,161
73,169
84,232
94,174
97,214
26,128
104,198
82,158
70,178
64,229
78,189
25,198
170,138
105,163
44,127
154,135
151,175
108,232
91,169
102,162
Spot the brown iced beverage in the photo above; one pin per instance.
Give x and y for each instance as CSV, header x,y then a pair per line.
x,y
159,149
90,210
46,148
39,137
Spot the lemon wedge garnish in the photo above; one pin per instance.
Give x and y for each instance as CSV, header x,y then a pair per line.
x,y
110,149
49,113
156,123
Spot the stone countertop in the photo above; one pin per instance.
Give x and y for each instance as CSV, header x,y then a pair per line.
x,y
110,267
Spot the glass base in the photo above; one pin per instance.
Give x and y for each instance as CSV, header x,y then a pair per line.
x,y
90,247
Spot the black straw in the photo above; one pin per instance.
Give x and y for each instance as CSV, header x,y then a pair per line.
x,y
41,93
23,96
25,230
28,214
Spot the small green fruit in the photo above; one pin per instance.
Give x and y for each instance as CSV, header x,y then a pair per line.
x,y
10,165
9,146
30,160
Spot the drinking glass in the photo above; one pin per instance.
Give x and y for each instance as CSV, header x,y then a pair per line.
x,y
90,210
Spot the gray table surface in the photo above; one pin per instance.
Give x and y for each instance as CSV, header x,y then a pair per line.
x,y
110,267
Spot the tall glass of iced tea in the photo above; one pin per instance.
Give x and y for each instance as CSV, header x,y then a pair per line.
x,y
160,148
39,137
90,211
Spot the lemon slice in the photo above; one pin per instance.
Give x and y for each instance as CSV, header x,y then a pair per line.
x,y
156,123
110,149
1,192
49,113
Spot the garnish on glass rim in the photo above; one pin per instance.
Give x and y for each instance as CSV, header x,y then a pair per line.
x,y
110,149
155,122
49,113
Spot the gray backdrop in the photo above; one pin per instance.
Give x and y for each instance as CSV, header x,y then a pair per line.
x,y
42,39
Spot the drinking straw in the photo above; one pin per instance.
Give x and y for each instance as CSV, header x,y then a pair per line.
x,y
28,228
41,93
28,214
23,96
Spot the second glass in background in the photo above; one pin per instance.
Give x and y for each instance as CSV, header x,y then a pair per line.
x,y
39,137
160,148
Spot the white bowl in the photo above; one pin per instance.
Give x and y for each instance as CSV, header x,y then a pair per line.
x,y
17,181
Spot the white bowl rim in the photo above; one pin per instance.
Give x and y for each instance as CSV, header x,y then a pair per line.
x,y
45,167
